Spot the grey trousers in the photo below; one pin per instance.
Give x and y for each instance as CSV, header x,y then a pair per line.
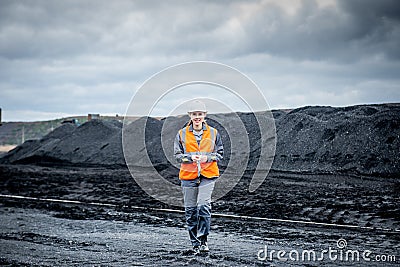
x,y
197,200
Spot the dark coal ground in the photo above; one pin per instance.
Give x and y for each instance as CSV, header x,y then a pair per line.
x,y
41,233
332,165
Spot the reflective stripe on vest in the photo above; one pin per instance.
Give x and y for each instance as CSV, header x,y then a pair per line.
x,y
190,171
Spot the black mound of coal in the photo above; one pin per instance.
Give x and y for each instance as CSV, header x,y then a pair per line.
x,y
95,142
357,139
35,151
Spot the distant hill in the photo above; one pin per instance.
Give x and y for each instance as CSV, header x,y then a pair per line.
x,y
15,133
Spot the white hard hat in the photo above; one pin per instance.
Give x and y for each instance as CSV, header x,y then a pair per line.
x,y
196,105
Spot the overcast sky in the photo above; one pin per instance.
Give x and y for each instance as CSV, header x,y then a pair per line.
x,y
61,58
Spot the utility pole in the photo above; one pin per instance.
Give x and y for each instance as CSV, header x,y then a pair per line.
x,y
23,135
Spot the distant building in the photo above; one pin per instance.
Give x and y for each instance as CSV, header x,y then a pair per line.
x,y
93,116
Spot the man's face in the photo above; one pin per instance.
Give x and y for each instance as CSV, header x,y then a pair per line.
x,y
197,118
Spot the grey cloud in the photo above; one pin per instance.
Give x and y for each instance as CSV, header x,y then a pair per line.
x,y
64,29
50,47
376,24
353,30
61,29
34,30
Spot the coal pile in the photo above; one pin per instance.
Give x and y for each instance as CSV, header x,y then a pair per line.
x,y
355,139
362,139
93,143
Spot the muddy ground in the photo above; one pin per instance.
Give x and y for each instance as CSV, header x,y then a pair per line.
x,y
43,233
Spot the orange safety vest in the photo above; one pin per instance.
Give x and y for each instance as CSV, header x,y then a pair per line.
x,y
190,171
